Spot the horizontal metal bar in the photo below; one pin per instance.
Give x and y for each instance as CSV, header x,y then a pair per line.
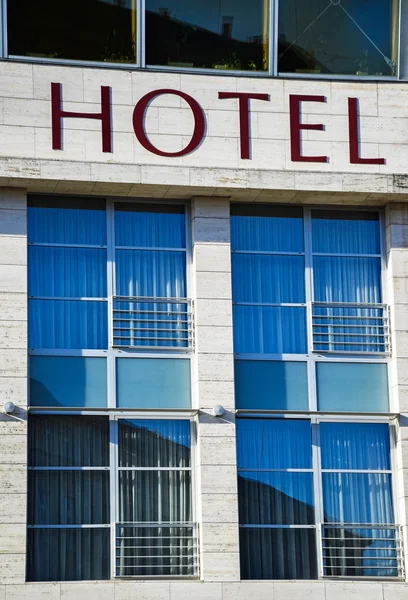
x,y
157,339
68,468
166,321
364,567
151,347
181,555
349,304
156,524
52,245
87,526
267,252
154,468
121,547
155,299
331,343
247,469
68,299
348,326
273,304
156,329
327,548
345,334
345,255
354,317
353,352
277,526
150,249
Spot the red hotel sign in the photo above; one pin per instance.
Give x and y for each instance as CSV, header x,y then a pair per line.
x,y
244,100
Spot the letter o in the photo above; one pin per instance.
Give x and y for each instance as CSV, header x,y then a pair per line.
x,y
199,123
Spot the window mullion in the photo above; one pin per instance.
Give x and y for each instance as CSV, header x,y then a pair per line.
x,y
114,505
273,38
318,495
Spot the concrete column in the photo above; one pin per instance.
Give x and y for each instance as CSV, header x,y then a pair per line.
x,y
13,384
213,380
397,296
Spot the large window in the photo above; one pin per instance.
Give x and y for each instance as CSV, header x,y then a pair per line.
x,y
311,336
109,317
308,310
316,498
319,37
109,497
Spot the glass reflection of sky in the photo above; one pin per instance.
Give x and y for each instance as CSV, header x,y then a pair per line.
x,y
298,486
175,431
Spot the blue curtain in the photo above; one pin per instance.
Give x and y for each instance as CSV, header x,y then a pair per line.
x,y
261,278
267,233
52,225
151,273
68,497
350,499
345,279
67,273
143,228
151,493
270,496
67,324
341,232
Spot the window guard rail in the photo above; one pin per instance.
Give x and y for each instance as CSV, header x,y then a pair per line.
x,y
153,323
156,549
351,328
369,551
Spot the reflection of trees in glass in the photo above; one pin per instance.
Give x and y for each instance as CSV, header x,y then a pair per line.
x,y
91,30
171,41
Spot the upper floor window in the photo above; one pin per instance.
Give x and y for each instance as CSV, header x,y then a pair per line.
x,y
323,37
107,282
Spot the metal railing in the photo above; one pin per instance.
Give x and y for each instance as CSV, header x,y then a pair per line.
x,y
350,328
373,551
156,550
142,322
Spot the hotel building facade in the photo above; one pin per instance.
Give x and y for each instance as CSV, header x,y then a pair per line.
x,y
203,300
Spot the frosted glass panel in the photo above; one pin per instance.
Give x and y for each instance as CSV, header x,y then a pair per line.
x,y
270,385
153,383
67,381
352,387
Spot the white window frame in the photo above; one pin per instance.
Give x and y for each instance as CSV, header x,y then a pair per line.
x,y
111,353
114,417
315,421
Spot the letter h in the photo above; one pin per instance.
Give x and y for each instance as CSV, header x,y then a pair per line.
x,y
57,114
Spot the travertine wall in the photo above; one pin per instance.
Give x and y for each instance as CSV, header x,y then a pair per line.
x,y
13,384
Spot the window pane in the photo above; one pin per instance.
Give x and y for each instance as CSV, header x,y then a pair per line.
x,y
357,37
269,329
66,272
270,385
68,554
355,446
68,497
340,279
344,232
148,443
104,31
68,381
352,387
152,226
222,34
270,279
68,441
357,498
273,444
152,496
275,498
151,273
278,553
66,221
153,383
267,228
67,324
360,552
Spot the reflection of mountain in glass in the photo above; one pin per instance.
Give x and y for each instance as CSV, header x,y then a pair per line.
x,y
290,553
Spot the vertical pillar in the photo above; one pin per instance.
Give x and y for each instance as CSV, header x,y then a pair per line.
x,y
13,384
397,287
213,384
